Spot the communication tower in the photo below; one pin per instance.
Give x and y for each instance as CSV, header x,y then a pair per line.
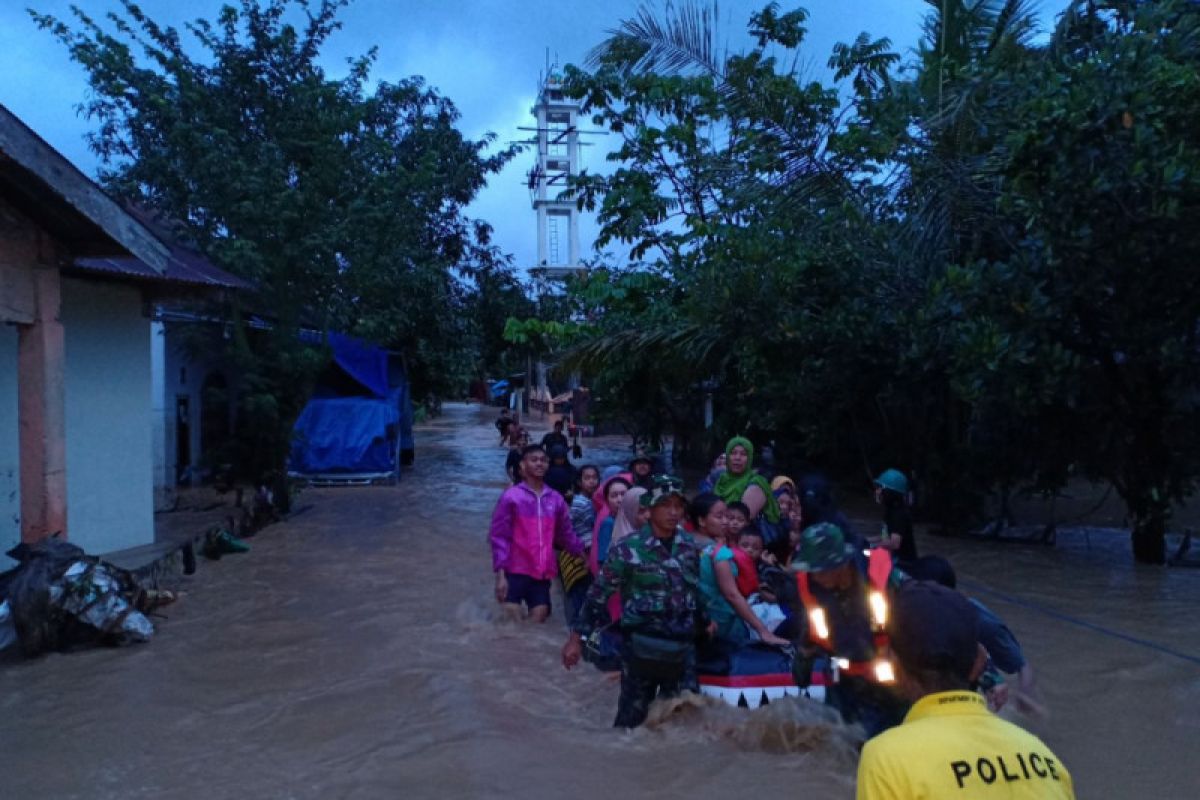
x,y
556,137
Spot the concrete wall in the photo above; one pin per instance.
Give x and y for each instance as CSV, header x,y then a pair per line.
x,y
10,458
110,468
164,479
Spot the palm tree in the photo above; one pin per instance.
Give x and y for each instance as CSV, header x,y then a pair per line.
x,y
964,57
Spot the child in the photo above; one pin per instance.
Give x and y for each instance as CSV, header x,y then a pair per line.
x,y
747,557
760,566
738,514
576,577
583,513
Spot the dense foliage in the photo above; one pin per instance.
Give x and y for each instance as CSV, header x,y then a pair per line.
x,y
342,201
978,266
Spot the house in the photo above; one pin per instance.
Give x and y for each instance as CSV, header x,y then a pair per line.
x,y
79,275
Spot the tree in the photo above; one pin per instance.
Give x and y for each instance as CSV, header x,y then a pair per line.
x,y
977,267
757,216
1091,318
342,202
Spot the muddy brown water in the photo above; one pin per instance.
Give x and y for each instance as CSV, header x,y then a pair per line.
x,y
355,653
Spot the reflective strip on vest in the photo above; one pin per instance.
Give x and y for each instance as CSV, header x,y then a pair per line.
x,y
879,568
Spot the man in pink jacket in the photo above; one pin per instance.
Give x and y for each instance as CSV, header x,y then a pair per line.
x,y
529,522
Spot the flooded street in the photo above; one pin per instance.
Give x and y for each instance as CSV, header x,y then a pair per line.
x,y
354,653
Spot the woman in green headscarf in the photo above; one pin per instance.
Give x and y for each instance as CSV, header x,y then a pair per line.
x,y
739,481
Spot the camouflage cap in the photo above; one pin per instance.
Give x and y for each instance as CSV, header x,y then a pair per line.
x,y
822,547
664,487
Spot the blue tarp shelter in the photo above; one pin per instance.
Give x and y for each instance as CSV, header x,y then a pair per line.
x,y
358,424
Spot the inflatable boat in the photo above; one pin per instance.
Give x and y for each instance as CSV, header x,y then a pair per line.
x,y
754,675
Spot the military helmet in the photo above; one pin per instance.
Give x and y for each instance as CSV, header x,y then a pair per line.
x,y
822,546
664,487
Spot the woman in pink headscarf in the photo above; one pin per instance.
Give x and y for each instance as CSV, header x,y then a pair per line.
x,y
632,517
600,501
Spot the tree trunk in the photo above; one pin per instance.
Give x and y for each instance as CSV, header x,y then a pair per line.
x,y
1149,538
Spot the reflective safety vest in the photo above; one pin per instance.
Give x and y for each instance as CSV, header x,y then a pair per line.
x,y
879,567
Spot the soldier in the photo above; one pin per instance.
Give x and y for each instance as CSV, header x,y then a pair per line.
x,y
845,598
657,573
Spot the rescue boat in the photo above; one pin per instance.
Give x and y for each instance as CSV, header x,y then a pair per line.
x,y
756,675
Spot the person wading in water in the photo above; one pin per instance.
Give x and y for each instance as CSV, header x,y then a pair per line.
x,y
657,573
845,601
529,522
950,745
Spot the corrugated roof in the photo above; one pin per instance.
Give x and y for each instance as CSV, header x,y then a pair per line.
x,y
48,187
181,267
111,239
183,264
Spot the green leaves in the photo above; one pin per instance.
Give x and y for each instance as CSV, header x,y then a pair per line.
x,y
979,267
343,202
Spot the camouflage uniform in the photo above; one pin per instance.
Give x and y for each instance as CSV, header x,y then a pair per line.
x,y
859,700
660,597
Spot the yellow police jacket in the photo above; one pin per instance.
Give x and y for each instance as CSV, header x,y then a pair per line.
x,y
950,746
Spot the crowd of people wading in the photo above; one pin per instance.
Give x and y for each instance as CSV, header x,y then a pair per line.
x,y
658,585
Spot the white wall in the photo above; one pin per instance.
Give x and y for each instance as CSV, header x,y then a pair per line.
x,y
160,408
10,458
110,465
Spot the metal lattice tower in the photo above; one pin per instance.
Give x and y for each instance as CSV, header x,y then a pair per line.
x,y
557,140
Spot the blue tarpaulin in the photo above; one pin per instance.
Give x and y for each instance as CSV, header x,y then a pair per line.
x,y
346,434
344,430
365,363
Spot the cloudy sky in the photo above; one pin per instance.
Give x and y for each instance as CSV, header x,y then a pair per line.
x,y
485,55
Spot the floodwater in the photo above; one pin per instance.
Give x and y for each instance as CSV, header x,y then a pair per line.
x,y
355,653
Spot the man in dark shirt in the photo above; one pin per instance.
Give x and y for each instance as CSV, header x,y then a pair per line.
x,y
561,474
556,438
512,464
641,468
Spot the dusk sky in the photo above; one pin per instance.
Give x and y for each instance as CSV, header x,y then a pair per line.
x,y
485,55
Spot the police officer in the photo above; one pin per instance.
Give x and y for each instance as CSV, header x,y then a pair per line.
x,y
845,596
950,745
657,572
